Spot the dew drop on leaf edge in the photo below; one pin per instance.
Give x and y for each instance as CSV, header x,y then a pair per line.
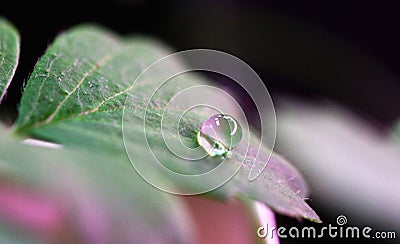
x,y
219,134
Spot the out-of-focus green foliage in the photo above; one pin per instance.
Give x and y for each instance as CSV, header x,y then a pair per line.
x,y
76,195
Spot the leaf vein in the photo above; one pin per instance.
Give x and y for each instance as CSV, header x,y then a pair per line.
x,y
95,67
36,103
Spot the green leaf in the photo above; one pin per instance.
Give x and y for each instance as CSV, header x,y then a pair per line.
x,y
82,196
9,54
76,95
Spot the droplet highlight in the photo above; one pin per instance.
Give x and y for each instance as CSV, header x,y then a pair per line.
x,y
219,134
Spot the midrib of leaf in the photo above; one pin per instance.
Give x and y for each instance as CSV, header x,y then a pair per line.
x,y
39,92
95,67
91,74
93,121
9,52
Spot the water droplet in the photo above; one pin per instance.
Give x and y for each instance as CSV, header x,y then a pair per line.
x,y
219,134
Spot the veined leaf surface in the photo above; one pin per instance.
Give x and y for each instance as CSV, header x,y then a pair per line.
x,y
76,96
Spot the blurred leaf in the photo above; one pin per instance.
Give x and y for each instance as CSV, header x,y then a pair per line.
x,y
345,159
9,54
76,196
76,94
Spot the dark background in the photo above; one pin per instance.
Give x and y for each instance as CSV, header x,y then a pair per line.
x,y
346,52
